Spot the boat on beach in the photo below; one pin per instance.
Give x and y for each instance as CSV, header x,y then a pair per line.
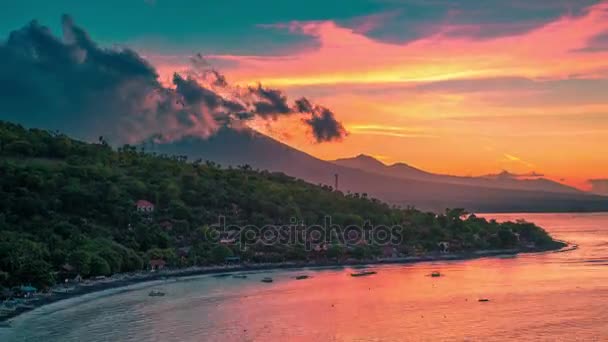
x,y
156,293
300,277
240,276
362,273
267,280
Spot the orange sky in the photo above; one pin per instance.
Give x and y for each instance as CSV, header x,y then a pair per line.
x,y
532,101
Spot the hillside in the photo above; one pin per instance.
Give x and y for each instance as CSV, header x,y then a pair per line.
x,y
231,147
69,207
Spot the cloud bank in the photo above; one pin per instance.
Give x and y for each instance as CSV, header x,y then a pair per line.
x,y
73,85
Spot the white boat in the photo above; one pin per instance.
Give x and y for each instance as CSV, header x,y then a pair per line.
x,y
156,293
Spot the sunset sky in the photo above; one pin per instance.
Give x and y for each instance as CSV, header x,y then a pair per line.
x,y
460,87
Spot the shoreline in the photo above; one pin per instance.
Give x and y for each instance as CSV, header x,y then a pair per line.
x,y
123,280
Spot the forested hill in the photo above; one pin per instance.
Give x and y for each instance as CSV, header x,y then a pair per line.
x,y
70,206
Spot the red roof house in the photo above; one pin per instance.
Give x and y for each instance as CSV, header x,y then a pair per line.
x,y
144,206
157,264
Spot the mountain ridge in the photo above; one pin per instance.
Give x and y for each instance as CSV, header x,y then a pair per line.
x,y
502,180
231,147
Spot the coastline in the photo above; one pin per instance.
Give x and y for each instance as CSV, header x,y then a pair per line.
x,y
123,280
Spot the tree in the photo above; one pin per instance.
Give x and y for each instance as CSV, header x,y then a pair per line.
x,y
219,254
81,261
361,252
335,251
20,148
76,200
507,238
35,272
99,266
113,259
133,262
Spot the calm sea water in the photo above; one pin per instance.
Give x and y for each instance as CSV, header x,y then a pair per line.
x,y
540,297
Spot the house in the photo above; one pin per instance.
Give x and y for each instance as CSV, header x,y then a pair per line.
x,y
157,264
444,246
66,272
144,206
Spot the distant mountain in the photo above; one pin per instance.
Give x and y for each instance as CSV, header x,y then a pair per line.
x,y
503,180
368,163
423,190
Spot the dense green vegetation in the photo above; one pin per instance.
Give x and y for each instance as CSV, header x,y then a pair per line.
x,y
66,204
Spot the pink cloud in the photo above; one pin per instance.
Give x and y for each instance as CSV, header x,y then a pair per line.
x,y
345,55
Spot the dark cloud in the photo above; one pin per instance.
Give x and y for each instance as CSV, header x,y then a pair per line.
x,y
73,85
599,186
193,93
202,69
304,106
220,80
322,121
269,101
324,125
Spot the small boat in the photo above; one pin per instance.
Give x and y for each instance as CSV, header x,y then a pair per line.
x,y
362,273
300,277
156,293
435,274
483,300
239,276
267,280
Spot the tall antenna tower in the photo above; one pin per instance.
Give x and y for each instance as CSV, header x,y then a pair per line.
x,y
336,182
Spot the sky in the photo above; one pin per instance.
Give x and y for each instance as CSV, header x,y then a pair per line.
x,y
462,87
